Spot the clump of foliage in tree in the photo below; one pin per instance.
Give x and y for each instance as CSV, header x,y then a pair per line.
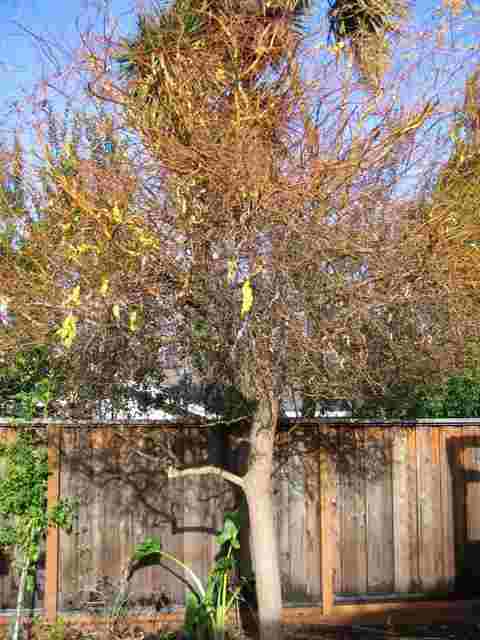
x,y
29,379
458,397
365,25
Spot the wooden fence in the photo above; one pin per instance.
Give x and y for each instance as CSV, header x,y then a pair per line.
x,y
385,510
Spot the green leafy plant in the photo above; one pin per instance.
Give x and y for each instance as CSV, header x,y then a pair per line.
x,y
29,382
23,501
207,608
219,597
150,552
167,635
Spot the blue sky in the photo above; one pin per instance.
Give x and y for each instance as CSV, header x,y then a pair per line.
x,y
56,20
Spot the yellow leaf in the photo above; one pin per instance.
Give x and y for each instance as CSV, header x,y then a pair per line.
x,y
147,240
133,321
68,330
232,269
85,248
247,298
74,298
104,286
116,215
116,311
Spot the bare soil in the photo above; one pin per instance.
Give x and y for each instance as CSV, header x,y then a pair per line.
x,y
456,631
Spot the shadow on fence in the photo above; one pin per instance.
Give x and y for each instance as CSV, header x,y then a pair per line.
x,y
394,516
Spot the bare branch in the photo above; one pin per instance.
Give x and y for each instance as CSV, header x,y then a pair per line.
x,y
206,471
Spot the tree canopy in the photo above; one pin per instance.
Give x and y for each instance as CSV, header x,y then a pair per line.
x,y
248,209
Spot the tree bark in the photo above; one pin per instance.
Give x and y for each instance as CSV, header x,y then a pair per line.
x,y
257,485
258,490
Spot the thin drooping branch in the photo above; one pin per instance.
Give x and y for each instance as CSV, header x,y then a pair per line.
x,y
179,576
132,567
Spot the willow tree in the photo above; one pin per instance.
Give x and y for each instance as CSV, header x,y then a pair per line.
x,y
255,229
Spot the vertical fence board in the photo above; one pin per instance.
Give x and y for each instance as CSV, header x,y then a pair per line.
x,y
140,523
401,497
337,492
213,516
283,532
354,539
278,518
157,576
68,560
468,463
98,534
312,529
461,516
437,521
195,516
413,510
70,545
178,540
457,467
85,474
174,540
144,577
329,527
296,525
53,494
207,489
214,513
124,500
112,489
471,462
425,515
430,534
448,514
380,552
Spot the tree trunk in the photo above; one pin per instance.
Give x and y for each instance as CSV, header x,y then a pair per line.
x,y
258,490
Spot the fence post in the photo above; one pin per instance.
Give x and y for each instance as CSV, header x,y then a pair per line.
x,y
328,528
53,494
